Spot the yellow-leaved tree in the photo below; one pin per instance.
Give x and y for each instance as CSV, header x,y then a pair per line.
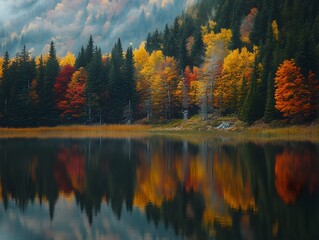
x,y
68,59
216,45
163,86
141,57
237,68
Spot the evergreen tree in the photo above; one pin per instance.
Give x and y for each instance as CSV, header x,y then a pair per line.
x,y
117,86
198,50
95,88
89,51
250,112
270,111
149,44
166,39
129,75
156,41
81,59
4,90
182,54
48,114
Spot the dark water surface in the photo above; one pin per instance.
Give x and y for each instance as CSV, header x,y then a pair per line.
x,y
158,188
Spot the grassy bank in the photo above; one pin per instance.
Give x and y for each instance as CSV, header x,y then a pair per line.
x,y
76,131
193,128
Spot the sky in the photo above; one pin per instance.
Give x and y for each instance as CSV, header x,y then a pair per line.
x,y
69,23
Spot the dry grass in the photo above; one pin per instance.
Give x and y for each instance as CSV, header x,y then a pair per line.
x,y
194,130
76,131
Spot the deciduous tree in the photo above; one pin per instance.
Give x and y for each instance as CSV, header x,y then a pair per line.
x,y
74,103
292,95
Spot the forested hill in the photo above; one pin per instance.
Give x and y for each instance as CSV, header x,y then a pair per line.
x,y
255,59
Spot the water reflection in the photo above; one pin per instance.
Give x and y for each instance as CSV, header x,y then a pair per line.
x,y
158,188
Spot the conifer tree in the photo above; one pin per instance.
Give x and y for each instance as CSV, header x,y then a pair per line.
x,y
117,86
89,51
47,110
4,90
95,88
81,59
129,75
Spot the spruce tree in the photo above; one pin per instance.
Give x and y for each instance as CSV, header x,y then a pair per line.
x,y
166,39
156,41
117,86
249,112
149,44
182,54
4,90
47,110
81,59
95,87
129,76
89,51
198,49
270,111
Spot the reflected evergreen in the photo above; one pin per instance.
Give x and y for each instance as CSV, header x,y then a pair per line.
x,y
202,190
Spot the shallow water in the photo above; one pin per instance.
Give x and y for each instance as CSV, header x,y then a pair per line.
x,y
158,188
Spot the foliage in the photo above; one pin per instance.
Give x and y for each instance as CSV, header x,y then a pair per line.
x,y
292,93
74,103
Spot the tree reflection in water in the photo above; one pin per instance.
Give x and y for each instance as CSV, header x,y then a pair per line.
x,y
201,190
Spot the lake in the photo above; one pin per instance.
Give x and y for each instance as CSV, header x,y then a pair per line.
x,y
158,188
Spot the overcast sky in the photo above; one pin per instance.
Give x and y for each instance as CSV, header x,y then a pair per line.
x,y
69,23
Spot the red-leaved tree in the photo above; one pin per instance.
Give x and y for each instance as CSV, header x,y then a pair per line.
x,y
74,103
61,83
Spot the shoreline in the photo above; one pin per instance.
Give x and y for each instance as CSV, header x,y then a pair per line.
x,y
254,133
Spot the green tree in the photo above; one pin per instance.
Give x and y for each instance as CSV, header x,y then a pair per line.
x,y
95,88
129,75
48,113
4,90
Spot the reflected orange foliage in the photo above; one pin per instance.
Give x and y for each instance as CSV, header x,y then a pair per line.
x,y
158,181
155,183
295,171
235,189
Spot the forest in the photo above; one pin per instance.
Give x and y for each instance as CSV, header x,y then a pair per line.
x,y
250,59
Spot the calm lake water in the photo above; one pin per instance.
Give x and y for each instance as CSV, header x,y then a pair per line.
x,y
158,188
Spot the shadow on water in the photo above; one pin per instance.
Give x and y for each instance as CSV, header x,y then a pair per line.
x,y
157,187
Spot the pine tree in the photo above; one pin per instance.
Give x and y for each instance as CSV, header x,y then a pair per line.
x,y
166,38
182,54
89,51
81,59
250,112
198,50
4,90
149,44
47,110
156,41
95,88
129,75
117,86
270,111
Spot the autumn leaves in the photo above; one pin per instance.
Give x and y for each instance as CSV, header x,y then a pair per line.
x,y
296,95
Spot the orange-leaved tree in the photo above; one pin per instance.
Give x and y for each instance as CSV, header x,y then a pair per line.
x,y
293,98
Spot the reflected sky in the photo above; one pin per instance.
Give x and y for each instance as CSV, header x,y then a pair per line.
x,y
70,223
158,188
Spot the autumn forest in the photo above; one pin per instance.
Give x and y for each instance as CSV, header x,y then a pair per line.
x,y
252,59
